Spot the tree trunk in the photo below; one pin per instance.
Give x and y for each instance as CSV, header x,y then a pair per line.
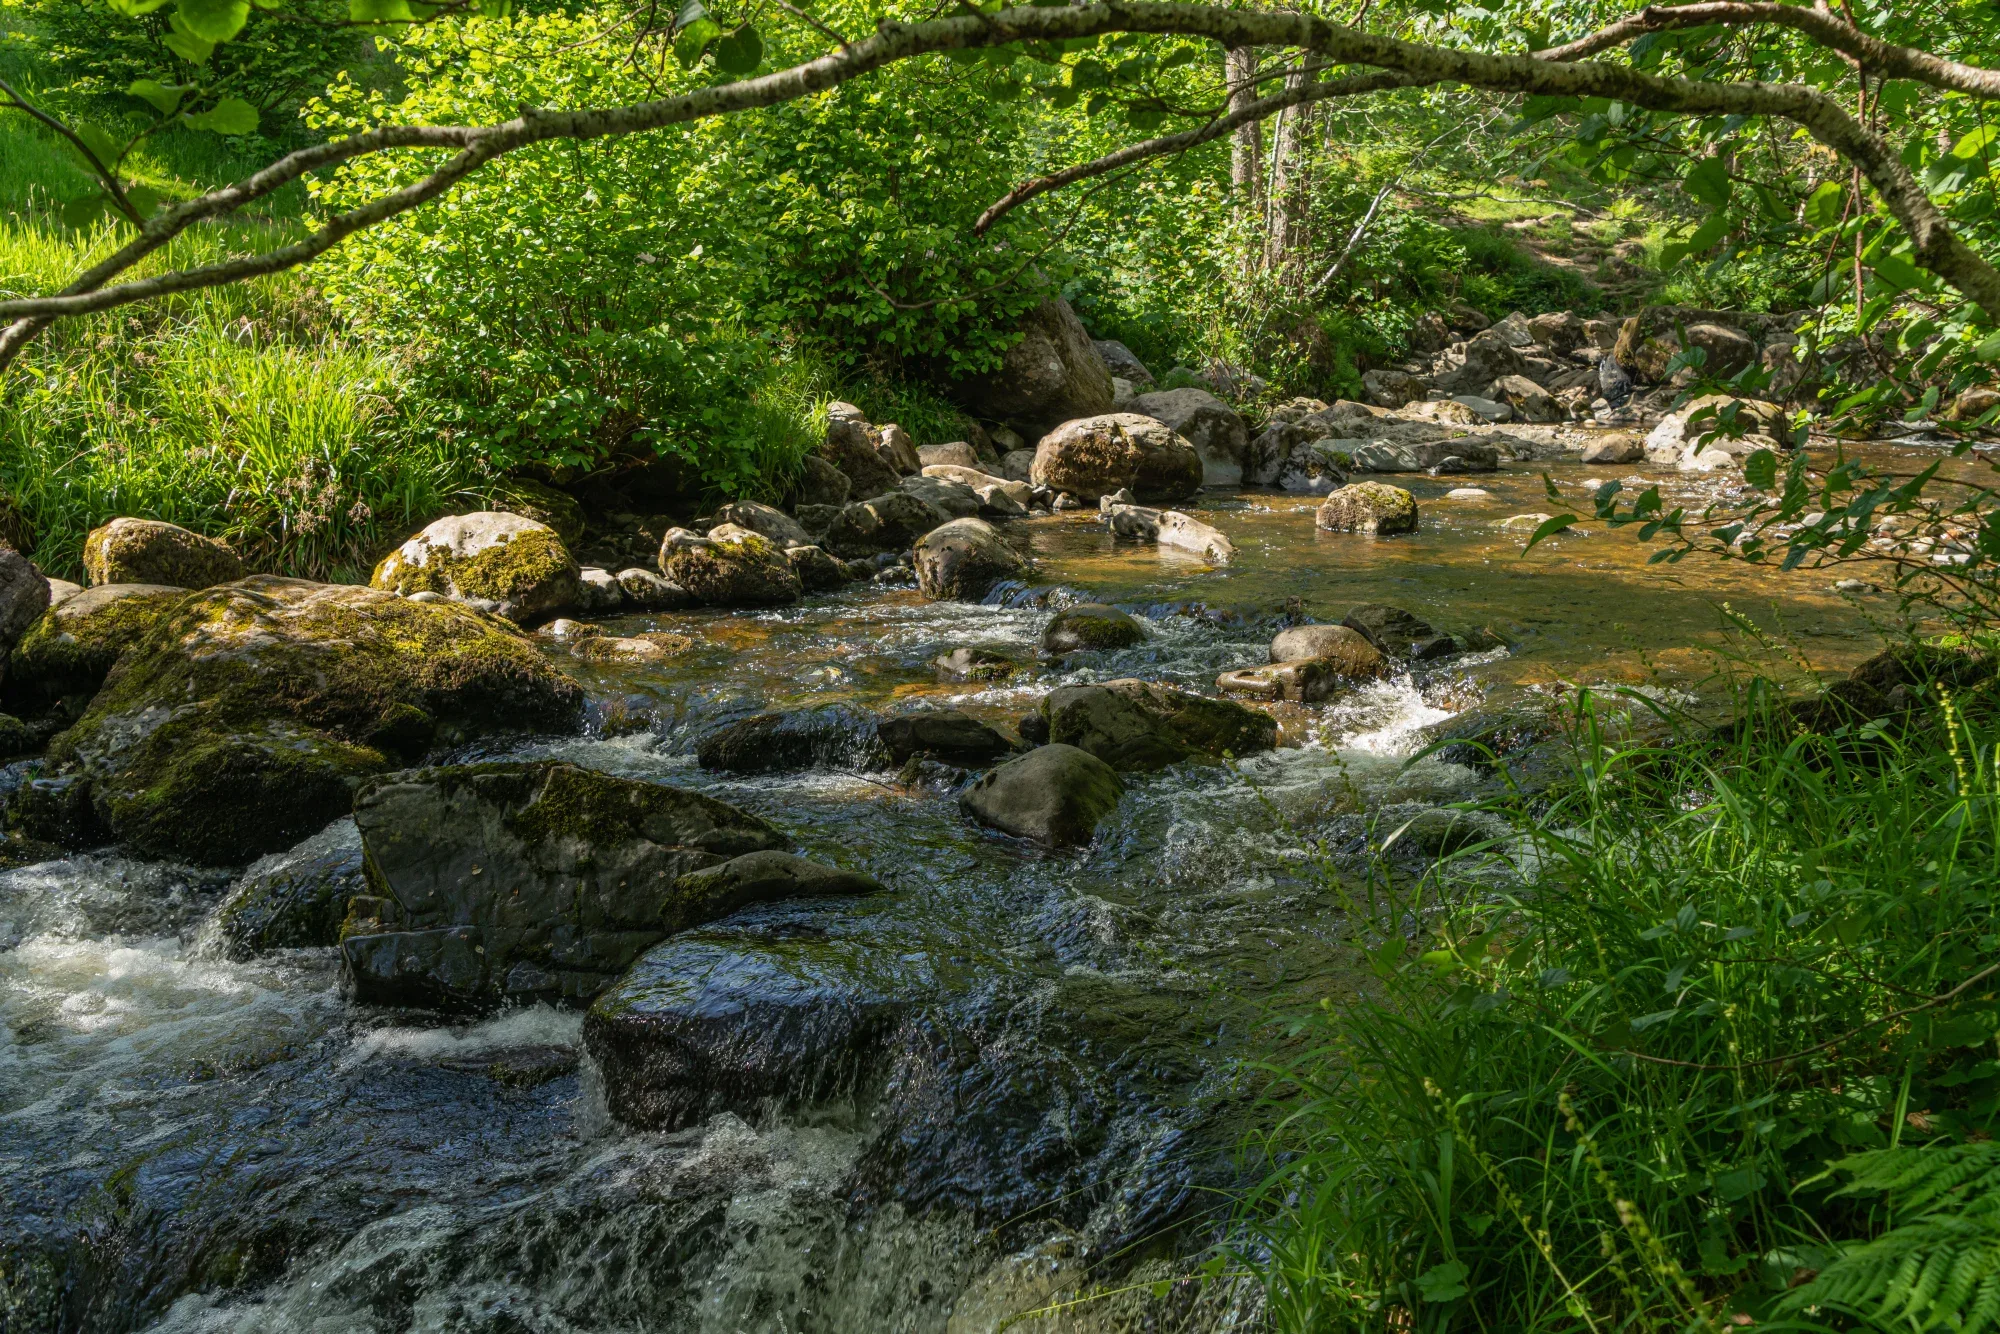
x,y
1285,232
1246,159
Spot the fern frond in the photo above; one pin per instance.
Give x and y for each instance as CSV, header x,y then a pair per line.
x,y
1938,1268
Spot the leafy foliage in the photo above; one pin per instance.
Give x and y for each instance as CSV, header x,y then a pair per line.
x,y
1603,1063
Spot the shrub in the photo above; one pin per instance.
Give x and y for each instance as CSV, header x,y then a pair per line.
x,y
581,300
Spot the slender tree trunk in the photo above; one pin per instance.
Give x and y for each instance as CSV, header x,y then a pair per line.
x,y
1246,159
1285,236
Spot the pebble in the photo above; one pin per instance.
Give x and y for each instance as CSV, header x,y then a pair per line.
x,y
1467,493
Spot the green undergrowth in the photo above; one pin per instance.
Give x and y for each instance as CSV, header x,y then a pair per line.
x,y
1677,1052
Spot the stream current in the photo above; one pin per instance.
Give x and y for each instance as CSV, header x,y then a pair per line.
x,y
191,1144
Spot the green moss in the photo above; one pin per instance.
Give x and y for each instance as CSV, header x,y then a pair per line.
x,y
68,656
208,793
500,573
284,694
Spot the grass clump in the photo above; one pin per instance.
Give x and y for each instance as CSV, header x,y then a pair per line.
x,y
1616,1069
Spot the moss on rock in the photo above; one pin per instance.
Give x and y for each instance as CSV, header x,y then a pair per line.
x,y
504,563
147,551
242,718
66,655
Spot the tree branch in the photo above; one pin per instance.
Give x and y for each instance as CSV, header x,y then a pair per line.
x,y
1877,56
1180,143
1937,247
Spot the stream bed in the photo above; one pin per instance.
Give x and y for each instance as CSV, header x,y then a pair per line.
x,y
192,1144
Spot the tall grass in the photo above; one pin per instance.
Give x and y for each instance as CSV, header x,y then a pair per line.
x,y
1604,1064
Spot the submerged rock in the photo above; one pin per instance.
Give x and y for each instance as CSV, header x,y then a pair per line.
x,y
950,735
147,551
1131,724
497,562
1352,653
963,559
1091,627
1093,456
1055,794
1399,634
240,718
533,881
974,662
294,899
746,1020
831,736
1169,528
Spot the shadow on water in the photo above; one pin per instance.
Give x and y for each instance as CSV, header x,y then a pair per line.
x,y
200,1145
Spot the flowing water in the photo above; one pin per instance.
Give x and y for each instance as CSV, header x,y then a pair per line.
x,y
192,1144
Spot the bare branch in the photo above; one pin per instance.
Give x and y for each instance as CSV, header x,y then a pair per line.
x,y
1186,139
1872,53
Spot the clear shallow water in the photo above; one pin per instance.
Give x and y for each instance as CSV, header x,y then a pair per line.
x,y
192,1144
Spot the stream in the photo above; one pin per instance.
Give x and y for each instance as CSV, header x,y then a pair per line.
x,y
190,1144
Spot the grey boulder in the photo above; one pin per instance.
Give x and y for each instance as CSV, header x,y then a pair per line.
x,y
1056,795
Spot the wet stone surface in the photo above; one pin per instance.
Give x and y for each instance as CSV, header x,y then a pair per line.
x,y
824,1114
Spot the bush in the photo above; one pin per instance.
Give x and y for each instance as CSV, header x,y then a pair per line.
x,y
578,301
1601,1077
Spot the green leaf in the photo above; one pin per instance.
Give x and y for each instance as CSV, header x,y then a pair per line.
x,y
691,41
164,97
1823,206
379,11
132,9
1443,1283
103,147
232,115
145,200
1974,145
1989,350
1760,469
183,42
741,52
1895,270
83,211
1548,528
1709,182
213,20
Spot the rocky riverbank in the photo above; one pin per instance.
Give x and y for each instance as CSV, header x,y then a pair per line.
x,y
867,894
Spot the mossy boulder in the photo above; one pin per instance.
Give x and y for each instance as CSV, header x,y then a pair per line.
x,y
243,716
1375,508
66,655
147,551
1131,724
541,880
502,563
294,899
730,567
963,559
1091,627
1117,451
